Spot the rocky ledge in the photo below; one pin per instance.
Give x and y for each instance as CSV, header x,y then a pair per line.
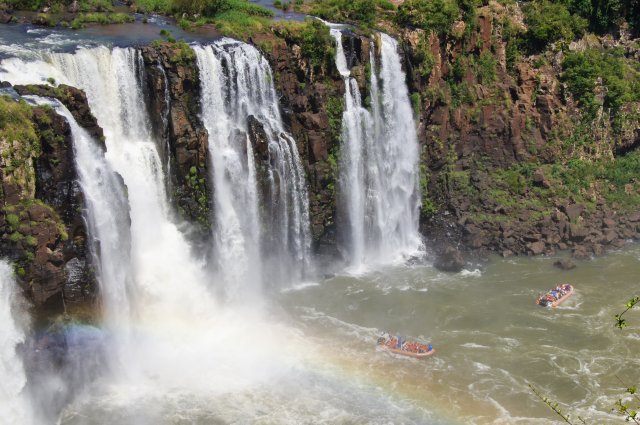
x,y
42,230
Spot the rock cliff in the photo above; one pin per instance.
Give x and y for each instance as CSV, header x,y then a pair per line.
x,y
41,226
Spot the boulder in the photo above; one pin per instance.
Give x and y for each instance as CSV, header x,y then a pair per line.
x,y
573,211
450,260
540,180
536,248
577,233
565,264
580,253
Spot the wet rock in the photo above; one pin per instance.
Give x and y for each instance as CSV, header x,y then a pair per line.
x,y
565,264
598,250
258,137
580,253
610,236
5,17
536,248
42,230
74,99
450,260
577,232
172,87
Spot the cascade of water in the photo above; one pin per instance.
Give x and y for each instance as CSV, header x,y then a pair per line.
x,y
14,408
379,163
181,339
165,281
164,269
396,155
238,92
107,216
356,131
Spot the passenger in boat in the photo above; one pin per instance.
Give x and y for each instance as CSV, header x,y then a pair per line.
x,y
400,342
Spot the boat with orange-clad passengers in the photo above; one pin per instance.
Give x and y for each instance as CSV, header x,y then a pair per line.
x,y
556,296
399,345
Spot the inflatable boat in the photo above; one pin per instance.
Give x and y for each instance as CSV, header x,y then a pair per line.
x,y
556,296
398,345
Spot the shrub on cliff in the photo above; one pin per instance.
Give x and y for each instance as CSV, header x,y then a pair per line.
x,y
360,12
314,39
550,22
606,15
430,15
582,71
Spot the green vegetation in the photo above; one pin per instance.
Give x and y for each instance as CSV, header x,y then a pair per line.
x,y
365,13
416,104
487,68
196,184
158,6
184,53
620,78
605,15
214,8
430,15
58,6
335,108
236,18
100,18
550,22
621,323
239,24
15,122
616,181
314,39
423,57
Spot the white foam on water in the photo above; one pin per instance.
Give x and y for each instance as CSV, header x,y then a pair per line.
x,y
300,287
471,273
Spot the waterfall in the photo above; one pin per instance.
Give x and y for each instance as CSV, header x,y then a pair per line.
x,y
167,278
160,314
14,408
378,169
356,130
107,217
396,155
239,103
164,280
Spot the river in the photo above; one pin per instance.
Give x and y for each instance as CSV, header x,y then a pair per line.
x,y
314,359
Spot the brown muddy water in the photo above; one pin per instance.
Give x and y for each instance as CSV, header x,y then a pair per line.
x,y
313,359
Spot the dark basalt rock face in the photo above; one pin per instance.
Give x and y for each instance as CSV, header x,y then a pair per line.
x,y
173,96
311,101
42,230
519,116
74,99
